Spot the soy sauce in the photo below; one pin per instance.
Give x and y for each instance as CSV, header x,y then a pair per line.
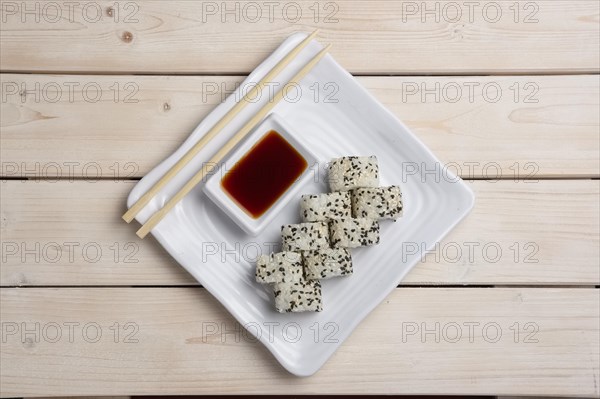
x,y
261,176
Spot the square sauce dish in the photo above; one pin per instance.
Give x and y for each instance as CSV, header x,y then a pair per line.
x,y
259,177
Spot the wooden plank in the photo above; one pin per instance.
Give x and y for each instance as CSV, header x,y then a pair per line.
x,y
84,397
168,348
71,233
538,126
375,37
529,397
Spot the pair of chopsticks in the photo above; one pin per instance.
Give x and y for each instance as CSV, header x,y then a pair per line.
x,y
216,158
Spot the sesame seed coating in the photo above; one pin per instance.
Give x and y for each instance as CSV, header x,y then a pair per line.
x,y
299,296
281,267
352,233
305,236
327,263
324,207
347,173
377,203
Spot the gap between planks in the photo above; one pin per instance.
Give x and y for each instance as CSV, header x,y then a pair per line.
x,y
441,74
400,286
137,179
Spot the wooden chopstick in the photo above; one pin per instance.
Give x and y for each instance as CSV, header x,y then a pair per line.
x,y
207,166
232,113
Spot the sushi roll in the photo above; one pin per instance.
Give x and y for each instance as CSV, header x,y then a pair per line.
x,y
327,263
352,233
305,236
281,267
299,296
348,173
377,203
324,207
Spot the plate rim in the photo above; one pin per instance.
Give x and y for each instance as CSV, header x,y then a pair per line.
x,y
302,370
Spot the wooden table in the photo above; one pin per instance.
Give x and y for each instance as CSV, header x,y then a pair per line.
x,y
94,94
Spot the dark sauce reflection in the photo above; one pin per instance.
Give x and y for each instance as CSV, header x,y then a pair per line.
x,y
261,176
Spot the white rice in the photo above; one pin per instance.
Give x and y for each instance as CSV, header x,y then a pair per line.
x,y
305,236
347,173
352,233
281,267
299,296
324,207
377,203
327,263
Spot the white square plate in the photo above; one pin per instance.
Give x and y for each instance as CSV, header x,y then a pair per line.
x,y
335,117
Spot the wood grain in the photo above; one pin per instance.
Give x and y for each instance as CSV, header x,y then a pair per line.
x,y
176,354
79,128
83,397
375,37
71,233
539,126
